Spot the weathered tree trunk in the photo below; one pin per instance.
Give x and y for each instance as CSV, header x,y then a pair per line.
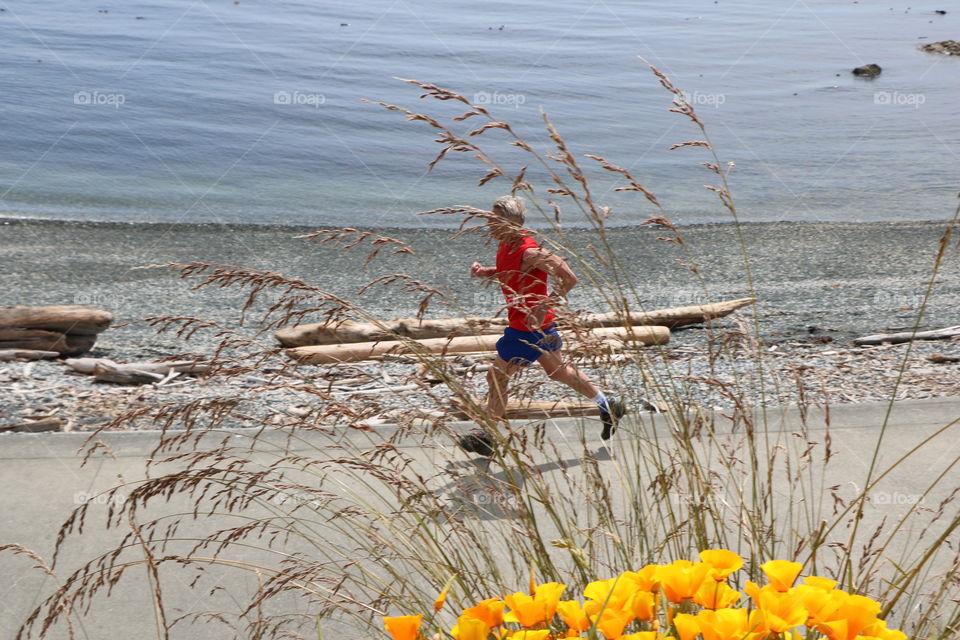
x,y
356,352
88,365
673,317
907,336
64,344
34,426
10,334
73,319
124,374
26,354
351,332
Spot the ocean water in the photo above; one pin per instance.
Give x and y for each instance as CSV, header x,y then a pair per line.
x,y
253,112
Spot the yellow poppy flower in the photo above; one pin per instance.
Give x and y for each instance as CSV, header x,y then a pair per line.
x,y
549,595
878,629
724,624
817,582
530,611
781,573
686,625
438,603
524,610
403,627
643,605
573,615
526,634
821,605
647,579
489,611
781,611
612,594
681,579
470,629
854,615
715,595
612,622
722,562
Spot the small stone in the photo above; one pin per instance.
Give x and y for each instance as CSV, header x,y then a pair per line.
x,y
945,47
868,71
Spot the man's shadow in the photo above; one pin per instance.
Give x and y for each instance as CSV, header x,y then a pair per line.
x,y
478,492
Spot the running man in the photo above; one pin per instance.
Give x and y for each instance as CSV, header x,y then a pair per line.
x,y
522,268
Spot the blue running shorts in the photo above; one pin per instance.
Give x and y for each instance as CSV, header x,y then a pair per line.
x,y
524,347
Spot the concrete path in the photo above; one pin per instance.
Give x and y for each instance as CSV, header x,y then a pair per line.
x,y
42,480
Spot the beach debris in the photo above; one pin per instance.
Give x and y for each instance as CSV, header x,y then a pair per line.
x,y
672,317
907,336
50,423
135,372
353,332
87,365
944,47
350,331
67,329
939,358
868,71
26,354
356,352
124,374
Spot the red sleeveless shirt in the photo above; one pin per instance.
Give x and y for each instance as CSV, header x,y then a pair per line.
x,y
523,290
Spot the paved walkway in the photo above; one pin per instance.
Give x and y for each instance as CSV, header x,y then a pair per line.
x,y
42,481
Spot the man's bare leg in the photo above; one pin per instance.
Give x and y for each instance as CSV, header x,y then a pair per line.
x,y
556,369
498,378
480,441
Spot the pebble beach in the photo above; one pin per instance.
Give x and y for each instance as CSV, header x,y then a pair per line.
x,y
818,285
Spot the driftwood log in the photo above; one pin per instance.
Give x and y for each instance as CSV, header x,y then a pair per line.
x,y
87,365
35,426
907,336
26,354
107,370
67,329
672,318
124,374
356,352
64,344
73,319
351,332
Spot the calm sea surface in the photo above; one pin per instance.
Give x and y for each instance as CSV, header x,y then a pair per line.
x,y
211,110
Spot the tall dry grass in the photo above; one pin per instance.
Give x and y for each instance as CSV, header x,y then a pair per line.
x,y
333,523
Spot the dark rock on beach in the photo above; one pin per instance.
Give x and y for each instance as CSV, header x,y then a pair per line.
x,y
945,47
868,71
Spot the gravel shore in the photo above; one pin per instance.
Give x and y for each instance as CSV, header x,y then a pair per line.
x,y
818,286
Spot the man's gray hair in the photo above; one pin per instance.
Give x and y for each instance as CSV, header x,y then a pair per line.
x,y
510,208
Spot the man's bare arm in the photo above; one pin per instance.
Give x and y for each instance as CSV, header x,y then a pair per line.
x,y
477,270
564,277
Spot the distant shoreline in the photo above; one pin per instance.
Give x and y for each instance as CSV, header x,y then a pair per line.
x,y
112,224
